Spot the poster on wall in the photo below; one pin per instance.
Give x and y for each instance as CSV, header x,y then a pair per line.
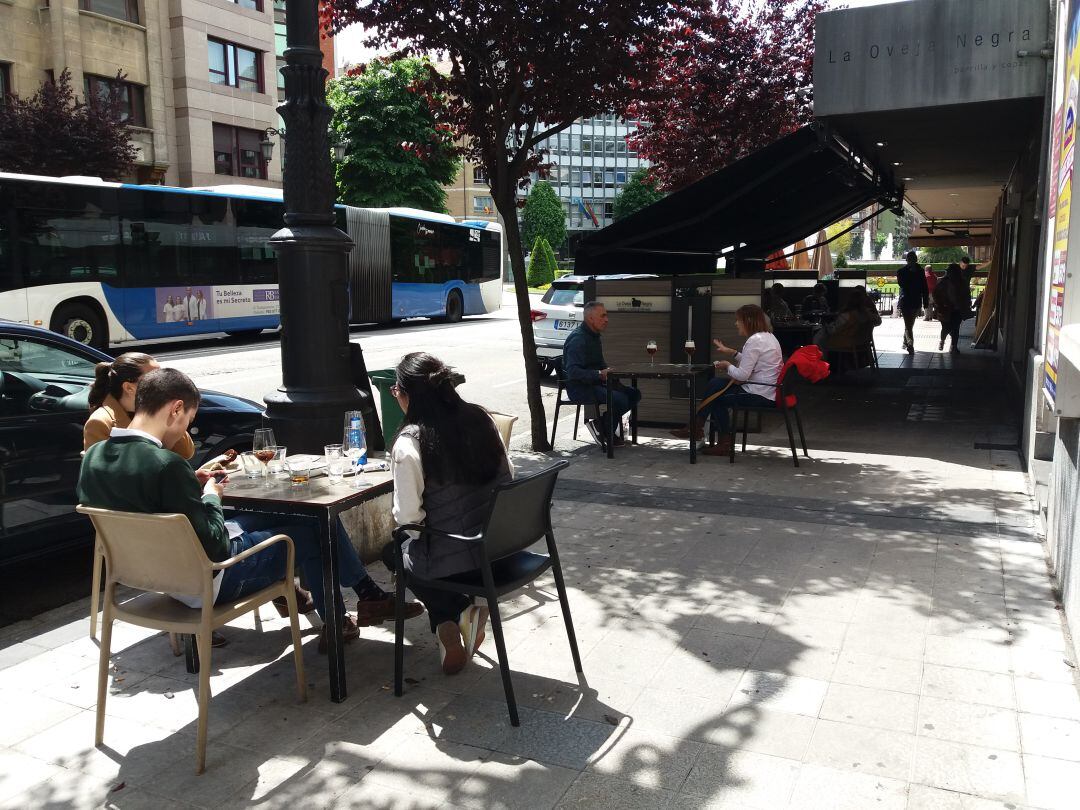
x,y
1058,264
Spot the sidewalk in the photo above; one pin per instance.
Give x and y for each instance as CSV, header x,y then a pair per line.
x,y
874,629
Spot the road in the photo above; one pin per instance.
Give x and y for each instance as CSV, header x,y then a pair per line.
x,y
486,349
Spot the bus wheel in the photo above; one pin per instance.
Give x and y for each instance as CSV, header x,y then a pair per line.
x,y
80,323
455,307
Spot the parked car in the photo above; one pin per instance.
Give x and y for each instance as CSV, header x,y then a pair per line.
x,y
558,314
44,383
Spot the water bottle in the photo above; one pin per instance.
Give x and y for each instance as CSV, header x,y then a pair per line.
x,y
355,441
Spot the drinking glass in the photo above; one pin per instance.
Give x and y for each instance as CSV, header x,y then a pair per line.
x,y
276,465
650,347
253,468
299,469
263,445
689,347
335,462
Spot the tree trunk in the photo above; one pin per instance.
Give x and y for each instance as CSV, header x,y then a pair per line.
x,y
506,204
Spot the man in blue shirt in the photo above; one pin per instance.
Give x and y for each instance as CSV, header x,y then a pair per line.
x,y
586,372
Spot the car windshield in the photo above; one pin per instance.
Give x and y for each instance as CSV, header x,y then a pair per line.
x,y
564,296
29,357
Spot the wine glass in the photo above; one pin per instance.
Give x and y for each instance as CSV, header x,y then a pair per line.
x,y
650,347
263,445
689,347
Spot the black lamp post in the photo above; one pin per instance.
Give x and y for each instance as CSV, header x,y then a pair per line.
x,y
320,369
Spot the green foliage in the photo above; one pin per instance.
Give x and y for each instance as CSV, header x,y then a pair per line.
x,y
543,217
842,244
395,152
941,254
542,264
640,191
840,261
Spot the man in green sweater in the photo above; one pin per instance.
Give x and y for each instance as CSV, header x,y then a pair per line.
x,y
133,472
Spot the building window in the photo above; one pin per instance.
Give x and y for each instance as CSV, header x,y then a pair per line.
x,y
586,145
620,147
479,177
620,178
586,178
235,66
609,179
564,174
237,152
609,210
5,82
132,97
255,5
483,205
120,9
609,147
575,177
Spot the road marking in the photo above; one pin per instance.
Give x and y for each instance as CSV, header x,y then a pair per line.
x,y
512,382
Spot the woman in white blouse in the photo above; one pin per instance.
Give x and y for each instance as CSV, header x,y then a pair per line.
x,y
446,460
750,380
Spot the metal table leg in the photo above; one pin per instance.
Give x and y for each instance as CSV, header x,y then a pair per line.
x,y
693,418
335,646
633,413
610,422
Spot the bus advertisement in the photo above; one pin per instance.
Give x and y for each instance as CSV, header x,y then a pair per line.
x,y
111,263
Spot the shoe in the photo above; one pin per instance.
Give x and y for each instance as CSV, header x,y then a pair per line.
x,y
377,611
452,654
684,433
304,603
911,349
594,431
217,640
955,349
721,448
349,632
941,346
472,623
619,441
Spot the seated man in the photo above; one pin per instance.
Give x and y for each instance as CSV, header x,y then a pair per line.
x,y
816,303
586,371
132,472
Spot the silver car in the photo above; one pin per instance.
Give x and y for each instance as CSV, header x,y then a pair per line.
x,y
557,315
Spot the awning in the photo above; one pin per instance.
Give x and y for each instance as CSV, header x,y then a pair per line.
x,y
774,197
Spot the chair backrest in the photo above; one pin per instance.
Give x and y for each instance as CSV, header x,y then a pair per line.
x,y
505,425
151,552
520,512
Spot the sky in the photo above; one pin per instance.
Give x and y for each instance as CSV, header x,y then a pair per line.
x,y
350,50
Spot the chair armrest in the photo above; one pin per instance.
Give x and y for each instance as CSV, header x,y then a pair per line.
x,y
400,534
255,549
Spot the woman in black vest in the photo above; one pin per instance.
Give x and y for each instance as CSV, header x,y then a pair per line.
x,y
447,459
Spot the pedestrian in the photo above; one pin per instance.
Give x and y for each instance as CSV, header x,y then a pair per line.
x,y
967,269
586,373
931,283
952,302
914,296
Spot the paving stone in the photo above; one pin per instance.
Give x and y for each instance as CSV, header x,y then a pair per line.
x,y
787,693
847,747
878,708
971,723
1051,783
506,783
1050,699
985,772
878,671
1050,736
820,788
969,685
740,777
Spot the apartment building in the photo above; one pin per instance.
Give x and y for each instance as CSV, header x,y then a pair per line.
x,y
200,80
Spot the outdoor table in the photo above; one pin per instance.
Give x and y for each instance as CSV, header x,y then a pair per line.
x,y
792,335
658,371
324,502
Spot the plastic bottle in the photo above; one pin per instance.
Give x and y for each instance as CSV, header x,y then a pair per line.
x,y
357,441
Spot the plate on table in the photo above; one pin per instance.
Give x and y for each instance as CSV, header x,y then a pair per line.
x,y
219,463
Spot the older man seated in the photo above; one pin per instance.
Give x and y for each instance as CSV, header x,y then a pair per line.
x,y
586,372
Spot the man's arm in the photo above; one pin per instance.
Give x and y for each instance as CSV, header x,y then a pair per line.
x,y
180,492
574,363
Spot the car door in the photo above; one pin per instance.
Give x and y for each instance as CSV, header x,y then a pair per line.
x,y
42,411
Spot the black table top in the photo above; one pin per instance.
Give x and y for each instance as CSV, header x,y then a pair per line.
x,y
660,371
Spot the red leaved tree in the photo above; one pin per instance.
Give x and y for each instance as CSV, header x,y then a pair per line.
x,y
514,73
52,133
734,80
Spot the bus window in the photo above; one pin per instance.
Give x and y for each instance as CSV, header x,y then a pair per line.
x,y
256,222
212,242
156,227
414,250
453,254
68,234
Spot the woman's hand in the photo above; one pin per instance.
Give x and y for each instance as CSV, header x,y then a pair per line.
x,y
720,347
722,365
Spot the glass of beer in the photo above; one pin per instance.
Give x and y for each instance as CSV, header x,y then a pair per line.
x,y
689,347
650,347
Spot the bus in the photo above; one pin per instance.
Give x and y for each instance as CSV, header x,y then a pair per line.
x,y
110,263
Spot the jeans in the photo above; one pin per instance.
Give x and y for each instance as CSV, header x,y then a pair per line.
x,y
268,566
910,316
734,397
623,400
442,606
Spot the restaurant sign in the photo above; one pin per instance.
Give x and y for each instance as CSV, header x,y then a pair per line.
x,y
636,303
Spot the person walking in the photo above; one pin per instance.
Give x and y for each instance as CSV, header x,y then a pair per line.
x,y
952,303
931,284
913,296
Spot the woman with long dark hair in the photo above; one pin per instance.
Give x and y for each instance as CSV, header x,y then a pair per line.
x,y
447,459
952,305
112,398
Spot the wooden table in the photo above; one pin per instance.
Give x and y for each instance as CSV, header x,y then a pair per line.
x,y
657,371
322,501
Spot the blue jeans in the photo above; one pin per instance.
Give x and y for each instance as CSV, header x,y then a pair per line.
x,y
734,397
623,399
268,566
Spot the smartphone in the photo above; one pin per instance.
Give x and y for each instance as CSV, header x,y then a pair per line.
x,y
220,475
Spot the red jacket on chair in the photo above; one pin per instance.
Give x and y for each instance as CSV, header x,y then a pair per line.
x,y
807,361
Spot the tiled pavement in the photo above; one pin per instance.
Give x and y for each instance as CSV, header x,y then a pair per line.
x,y
874,629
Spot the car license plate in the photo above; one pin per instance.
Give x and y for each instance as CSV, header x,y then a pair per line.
x,y
565,326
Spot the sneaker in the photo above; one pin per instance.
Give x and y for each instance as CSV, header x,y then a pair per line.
x,y
472,623
594,431
452,654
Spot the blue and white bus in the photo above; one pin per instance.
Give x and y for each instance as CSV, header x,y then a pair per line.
x,y
111,263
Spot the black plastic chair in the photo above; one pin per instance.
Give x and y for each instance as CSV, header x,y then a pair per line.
x,y
520,515
561,399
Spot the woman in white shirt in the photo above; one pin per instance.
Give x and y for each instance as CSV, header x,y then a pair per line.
x,y
167,310
447,459
750,379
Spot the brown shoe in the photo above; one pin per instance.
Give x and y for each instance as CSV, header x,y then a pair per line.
x,y
721,448
377,611
304,603
452,651
349,632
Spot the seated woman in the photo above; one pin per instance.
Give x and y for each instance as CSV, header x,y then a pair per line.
x,y
112,400
853,325
750,380
774,304
447,459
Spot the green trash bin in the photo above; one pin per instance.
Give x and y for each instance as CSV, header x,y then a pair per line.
x,y
382,379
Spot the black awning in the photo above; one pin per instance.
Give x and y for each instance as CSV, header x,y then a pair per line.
x,y
785,192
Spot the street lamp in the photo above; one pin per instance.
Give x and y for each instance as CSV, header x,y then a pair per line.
x,y
266,145
320,369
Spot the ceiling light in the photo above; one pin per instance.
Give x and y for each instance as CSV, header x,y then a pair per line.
x,y
953,194
897,163
880,143
909,179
